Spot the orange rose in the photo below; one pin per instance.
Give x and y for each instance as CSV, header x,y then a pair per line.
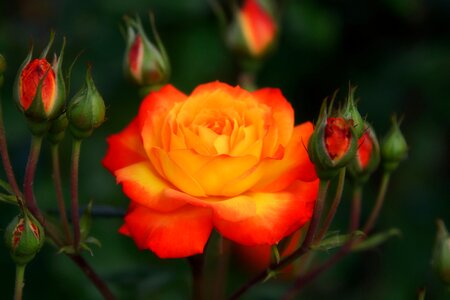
x,y
221,157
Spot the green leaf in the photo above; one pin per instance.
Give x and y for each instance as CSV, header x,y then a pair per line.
x,y
94,241
335,240
10,199
86,222
69,249
376,240
4,185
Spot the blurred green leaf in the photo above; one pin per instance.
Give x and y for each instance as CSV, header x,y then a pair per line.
x,y
376,240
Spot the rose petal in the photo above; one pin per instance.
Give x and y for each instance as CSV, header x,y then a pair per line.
x,y
124,148
183,232
142,185
219,175
277,215
153,112
280,131
232,209
295,164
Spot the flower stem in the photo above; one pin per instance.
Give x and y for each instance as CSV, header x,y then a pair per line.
x,y
20,271
334,205
95,279
222,268
59,191
304,248
197,267
356,207
76,147
30,170
5,157
378,204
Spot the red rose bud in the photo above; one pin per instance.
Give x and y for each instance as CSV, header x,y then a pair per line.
x,y
351,112
40,90
393,148
145,64
58,129
367,156
86,110
253,31
24,237
441,253
332,144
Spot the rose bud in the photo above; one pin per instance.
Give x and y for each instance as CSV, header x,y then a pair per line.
x,y
58,129
253,31
441,253
24,237
2,69
393,148
332,145
40,90
367,156
145,64
86,110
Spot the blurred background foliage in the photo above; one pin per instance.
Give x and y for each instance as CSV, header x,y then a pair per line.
x,y
396,51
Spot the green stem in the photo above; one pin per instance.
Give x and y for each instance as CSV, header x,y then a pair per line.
x,y
333,208
247,80
356,207
304,248
378,204
197,263
59,191
20,271
76,147
30,170
5,157
222,268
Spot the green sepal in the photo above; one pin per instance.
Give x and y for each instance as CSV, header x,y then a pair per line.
x,y
376,240
16,90
57,129
86,222
49,45
271,274
441,253
350,112
335,240
275,254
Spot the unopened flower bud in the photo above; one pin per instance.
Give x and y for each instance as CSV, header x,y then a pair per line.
x,y
40,90
58,129
332,144
253,31
24,237
441,253
86,110
145,64
393,148
2,69
367,156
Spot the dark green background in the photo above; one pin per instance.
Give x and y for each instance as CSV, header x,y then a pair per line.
x,y
396,51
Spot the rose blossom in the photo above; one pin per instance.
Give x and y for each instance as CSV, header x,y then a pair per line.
x,y
221,157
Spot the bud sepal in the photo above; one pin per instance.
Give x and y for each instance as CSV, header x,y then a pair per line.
x,y
394,148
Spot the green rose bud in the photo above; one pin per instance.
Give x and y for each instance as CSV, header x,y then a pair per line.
x,y
24,237
393,148
441,253
86,110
